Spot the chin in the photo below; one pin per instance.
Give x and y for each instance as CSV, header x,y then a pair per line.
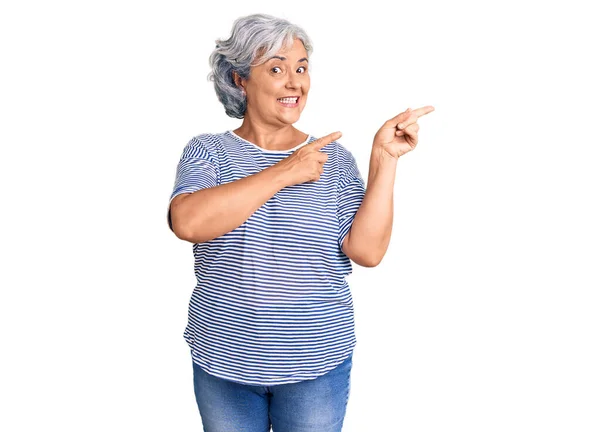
x,y
290,119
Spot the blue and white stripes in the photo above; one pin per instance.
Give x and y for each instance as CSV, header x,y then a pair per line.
x,y
271,303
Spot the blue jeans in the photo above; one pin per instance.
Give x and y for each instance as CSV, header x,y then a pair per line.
x,y
317,405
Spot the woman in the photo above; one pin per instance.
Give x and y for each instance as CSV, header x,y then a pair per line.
x,y
275,215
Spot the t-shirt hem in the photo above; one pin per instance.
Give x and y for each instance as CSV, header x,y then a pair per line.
x,y
271,382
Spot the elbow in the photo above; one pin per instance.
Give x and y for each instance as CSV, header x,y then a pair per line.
x,y
368,261
364,258
372,262
188,235
181,229
185,232
371,259
182,234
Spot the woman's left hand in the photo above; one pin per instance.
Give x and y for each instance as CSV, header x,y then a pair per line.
x,y
399,135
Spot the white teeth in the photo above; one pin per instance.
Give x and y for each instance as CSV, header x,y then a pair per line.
x,y
288,100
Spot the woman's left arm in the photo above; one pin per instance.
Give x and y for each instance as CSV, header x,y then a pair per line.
x,y
369,237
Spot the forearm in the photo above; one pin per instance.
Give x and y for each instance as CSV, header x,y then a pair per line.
x,y
210,213
371,229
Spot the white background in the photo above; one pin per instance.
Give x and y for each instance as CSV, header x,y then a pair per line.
x,y
483,315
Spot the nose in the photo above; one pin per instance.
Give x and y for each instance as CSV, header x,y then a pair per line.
x,y
293,82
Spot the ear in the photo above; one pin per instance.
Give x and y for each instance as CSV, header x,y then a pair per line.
x,y
239,81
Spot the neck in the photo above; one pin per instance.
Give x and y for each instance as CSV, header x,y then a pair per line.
x,y
269,136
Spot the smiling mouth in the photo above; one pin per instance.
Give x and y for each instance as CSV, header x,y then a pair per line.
x,y
290,102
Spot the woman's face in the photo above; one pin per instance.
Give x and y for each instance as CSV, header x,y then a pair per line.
x,y
282,76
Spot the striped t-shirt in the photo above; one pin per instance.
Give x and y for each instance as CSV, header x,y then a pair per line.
x,y
271,303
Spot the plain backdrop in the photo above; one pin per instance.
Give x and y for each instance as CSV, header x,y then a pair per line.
x,y
483,315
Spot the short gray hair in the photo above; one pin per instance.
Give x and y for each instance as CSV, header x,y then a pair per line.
x,y
254,38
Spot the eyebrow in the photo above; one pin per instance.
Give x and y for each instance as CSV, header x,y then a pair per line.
x,y
283,58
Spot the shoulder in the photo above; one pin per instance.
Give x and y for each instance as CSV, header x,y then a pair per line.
x,y
345,164
342,155
204,145
343,152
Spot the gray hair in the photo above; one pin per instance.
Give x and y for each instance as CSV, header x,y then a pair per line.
x,y
254,39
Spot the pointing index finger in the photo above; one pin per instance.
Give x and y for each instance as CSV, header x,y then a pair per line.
x,y
319,143
423,110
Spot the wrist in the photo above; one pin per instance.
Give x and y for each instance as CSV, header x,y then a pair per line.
x,y
382,163
277,176
382,155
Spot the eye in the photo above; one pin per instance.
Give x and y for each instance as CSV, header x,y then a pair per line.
x,y
302,67
276,67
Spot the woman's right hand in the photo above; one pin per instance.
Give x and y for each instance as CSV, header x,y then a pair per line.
x,y
306,163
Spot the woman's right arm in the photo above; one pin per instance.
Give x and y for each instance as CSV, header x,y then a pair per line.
x,y
209,213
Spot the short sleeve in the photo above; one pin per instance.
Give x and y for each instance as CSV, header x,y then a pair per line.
x,y
197,169
350,193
